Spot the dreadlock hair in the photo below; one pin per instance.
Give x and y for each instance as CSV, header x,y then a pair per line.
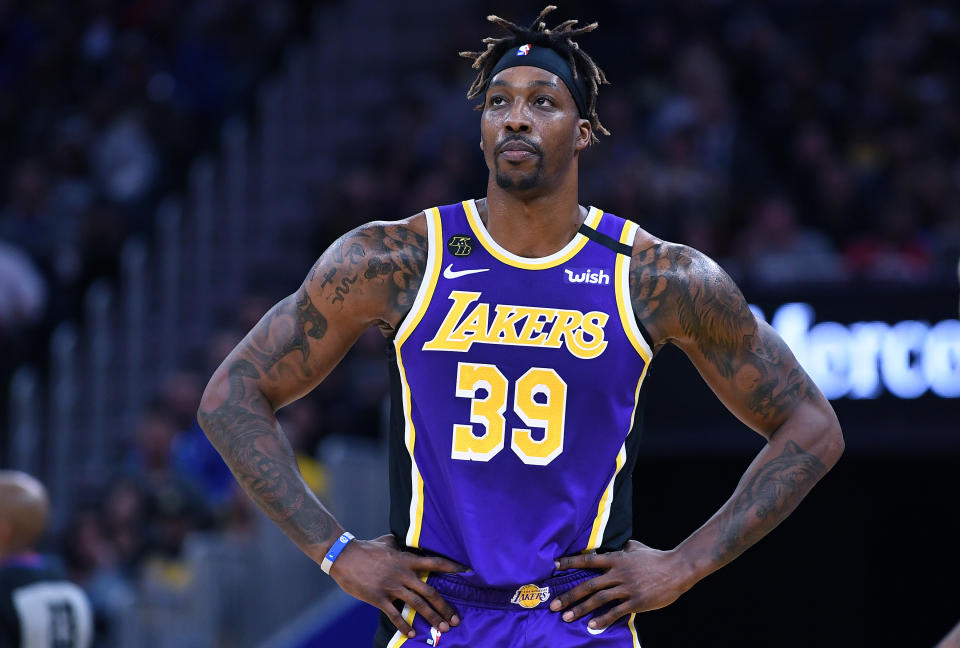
x,y
559,39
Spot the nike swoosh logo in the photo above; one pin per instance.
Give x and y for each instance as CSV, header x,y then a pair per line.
x,y
595,632
450,273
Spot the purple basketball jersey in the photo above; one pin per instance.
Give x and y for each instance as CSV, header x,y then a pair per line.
x,y
517,385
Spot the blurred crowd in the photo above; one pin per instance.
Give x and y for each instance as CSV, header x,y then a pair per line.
x,y
793,143
103,104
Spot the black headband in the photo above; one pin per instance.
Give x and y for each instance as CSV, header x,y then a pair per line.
x,y
547,59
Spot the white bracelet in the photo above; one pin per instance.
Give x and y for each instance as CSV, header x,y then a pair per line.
x,y
335,550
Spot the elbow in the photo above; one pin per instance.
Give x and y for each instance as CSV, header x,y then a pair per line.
x,y
831,440
214,396
816,429
231,394
839,445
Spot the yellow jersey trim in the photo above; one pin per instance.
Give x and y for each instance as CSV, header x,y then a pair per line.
x,y
603,509
562,255
633,630
430,276
420,304
624,306
408,614
399,638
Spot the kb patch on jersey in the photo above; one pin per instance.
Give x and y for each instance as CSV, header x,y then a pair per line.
x,y
530,596
460,245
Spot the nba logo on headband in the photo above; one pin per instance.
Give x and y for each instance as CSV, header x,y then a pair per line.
x,y
523,50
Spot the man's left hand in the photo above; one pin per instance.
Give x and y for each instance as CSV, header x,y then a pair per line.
x,y
640,577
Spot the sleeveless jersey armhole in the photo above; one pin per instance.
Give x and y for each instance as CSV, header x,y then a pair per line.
x,y
430,275
635,331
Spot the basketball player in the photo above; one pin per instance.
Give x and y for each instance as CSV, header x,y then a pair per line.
x,y
39,608
522,325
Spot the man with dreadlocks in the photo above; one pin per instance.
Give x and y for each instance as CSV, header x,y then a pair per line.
x,y
522,327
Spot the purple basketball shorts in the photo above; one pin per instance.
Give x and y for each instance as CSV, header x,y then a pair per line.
x,y
515,617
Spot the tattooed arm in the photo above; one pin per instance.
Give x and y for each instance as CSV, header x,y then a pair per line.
x,y
369,277
684,298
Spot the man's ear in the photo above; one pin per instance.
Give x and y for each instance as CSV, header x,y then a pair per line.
x,y
584,135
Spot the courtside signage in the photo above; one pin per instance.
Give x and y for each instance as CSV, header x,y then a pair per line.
x,y
865,359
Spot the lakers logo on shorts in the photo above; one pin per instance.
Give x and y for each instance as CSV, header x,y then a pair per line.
x,y
530,596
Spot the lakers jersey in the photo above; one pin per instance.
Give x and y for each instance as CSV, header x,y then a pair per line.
x,y
517,384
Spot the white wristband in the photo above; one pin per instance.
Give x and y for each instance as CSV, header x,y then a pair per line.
x,y
335,550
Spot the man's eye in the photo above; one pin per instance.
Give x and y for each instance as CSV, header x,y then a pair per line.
x,y
544,101
497,101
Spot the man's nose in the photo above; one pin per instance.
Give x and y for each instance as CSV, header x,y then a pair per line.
x,y
518,121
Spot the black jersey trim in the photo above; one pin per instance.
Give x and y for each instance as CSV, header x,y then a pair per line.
x,y
619,527
620,248
401,489
605,241
645,333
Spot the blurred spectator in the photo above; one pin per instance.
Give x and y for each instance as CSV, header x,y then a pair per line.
x,y
23,290
124,160
39,608
172,502
776,249
102,107
897,251
300,422
125,522
193,455
27,220
92,560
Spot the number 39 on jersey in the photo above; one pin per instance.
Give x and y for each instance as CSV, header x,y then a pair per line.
x,y
539,399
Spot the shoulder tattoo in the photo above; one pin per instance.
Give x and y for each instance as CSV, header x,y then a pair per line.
x,y
388,260
685,296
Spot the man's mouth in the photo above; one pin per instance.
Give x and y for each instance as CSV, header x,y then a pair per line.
x,y
517,150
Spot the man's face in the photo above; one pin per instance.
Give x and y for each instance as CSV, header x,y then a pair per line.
x,y
530,130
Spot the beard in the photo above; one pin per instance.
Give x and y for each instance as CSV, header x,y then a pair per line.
x,y
525,182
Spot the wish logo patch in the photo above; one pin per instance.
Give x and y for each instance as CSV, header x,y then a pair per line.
x,y
585,276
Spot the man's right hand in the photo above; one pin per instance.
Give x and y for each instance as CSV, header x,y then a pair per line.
x,y
379,573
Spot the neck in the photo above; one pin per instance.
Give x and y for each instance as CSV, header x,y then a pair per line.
x,y
532,225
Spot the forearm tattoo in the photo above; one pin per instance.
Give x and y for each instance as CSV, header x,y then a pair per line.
x,y
246,434
680,291
765,499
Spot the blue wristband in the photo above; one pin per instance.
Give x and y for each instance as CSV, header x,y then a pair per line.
x,y
335,550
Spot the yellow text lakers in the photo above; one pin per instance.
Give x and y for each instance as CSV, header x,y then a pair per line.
x,y
530,596
467,324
